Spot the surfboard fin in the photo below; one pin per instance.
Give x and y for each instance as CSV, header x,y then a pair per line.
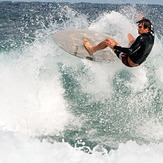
x,y
89,58
76,50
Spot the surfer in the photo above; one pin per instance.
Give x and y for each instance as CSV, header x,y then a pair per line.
x,y
139,49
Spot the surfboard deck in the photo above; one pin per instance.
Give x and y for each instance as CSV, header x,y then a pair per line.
x,y
71,41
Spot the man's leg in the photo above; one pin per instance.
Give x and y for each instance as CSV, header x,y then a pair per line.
x,y
131,39
92,49
102,45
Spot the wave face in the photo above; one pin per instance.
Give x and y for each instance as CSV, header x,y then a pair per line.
x,y
51,100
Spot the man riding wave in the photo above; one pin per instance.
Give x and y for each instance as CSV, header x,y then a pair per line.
x,y
139,49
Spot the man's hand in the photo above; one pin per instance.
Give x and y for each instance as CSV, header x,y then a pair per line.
x,y
111,42
140,16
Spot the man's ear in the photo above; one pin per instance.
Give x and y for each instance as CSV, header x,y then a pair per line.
x,y
147,29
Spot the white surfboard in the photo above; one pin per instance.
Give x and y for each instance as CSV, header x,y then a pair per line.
x,y
71,41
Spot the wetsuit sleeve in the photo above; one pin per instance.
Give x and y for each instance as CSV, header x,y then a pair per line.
x,y
134,47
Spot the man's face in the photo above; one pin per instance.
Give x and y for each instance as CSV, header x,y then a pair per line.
x,y
141,29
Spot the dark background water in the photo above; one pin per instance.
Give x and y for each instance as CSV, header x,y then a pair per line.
x,y
19,21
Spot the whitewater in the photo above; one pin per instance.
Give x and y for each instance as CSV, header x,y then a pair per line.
x,y
58,108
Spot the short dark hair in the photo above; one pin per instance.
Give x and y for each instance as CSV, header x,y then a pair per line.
x,y
146,23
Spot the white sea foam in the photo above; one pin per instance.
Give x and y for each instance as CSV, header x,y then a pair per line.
x,y
31,93
17,148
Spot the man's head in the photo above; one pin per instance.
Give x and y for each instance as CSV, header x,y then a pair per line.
x,y
144,26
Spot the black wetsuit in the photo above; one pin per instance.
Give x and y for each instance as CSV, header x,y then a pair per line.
x,y
139,50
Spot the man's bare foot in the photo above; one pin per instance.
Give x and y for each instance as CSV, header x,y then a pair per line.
x,y
88,46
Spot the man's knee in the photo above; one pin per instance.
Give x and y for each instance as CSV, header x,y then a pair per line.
x,y
109,39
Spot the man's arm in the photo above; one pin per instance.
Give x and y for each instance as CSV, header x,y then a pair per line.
x,y
134,47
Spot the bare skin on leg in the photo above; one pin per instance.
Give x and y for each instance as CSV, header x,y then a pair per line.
x,y
92,49
102,45
131,39
88,46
